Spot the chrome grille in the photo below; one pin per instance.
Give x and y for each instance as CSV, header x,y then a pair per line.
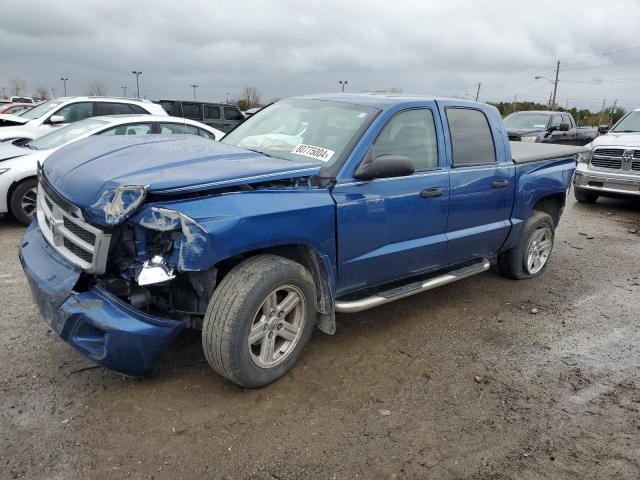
x,y
76,240
635,166
610,158
610,152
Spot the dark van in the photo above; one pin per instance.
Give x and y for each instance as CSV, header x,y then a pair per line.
x,y
217,115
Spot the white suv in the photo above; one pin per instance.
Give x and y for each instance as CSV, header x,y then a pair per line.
x,y
50,115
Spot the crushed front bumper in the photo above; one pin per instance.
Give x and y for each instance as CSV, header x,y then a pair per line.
x,y
98,324
614,183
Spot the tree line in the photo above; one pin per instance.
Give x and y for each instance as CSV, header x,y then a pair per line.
x,y
583,117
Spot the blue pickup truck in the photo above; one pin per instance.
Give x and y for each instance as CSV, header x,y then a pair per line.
x,y
314,206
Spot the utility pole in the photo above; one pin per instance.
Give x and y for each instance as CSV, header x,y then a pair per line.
x,y
4,92
515,103
124,91
194,85
555,86
602,111
478,92
64,82
137,74
343,83
613,110
566,105
53,90
228,93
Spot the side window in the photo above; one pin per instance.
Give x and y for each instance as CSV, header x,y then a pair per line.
x,y
190,110
471,139
212,112
205,134
130,129
177,128
556,120
231,113
136,109
567,119
76,111
411,134
109,108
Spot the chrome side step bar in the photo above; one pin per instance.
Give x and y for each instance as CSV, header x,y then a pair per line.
x,y
412,288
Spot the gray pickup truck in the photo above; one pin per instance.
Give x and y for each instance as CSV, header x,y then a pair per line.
x,y
612,165
547,127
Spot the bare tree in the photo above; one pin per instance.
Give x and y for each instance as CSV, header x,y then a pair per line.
x,y
42,93
97,89
249,98
18,87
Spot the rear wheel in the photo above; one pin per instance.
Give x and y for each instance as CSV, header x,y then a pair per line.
x,y
530,257
23,200
259,319
585,196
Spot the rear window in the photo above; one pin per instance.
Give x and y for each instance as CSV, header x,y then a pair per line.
x,y
189,110
231,113
471,139
211,112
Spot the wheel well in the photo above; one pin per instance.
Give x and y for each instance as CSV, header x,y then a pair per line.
x,y
553,205
310,259
14,185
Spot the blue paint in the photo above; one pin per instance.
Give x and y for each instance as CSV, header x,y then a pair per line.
x,y
364,233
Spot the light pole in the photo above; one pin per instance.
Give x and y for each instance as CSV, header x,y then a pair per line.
x,y
553,82
124,91
64,82
53,90
228,93
194,86
137,74
343,83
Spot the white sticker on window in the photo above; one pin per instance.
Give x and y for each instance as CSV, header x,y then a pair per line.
x,y
319,153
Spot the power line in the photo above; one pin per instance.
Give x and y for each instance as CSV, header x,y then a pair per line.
x,y
603,54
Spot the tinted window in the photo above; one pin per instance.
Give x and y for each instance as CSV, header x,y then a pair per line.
x,y
411,134
567,119
205,134
471,140
556,120
137,109
211,112
76,111
130,129
103,108
177,128
231,113
189,110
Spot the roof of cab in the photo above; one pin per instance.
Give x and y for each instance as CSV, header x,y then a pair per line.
x,y
378,100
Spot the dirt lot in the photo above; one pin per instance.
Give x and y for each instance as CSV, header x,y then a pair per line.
x,y
464,382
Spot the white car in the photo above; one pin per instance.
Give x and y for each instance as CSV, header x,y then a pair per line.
x,y
19,160
53,114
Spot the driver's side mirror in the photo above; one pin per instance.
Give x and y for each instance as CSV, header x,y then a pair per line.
x,y
564,127
384,166
54,119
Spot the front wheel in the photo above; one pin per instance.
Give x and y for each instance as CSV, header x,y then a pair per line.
x,y
259,319
530,256
24,200
584,196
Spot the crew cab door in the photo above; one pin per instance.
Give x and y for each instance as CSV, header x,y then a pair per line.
x,y
482,182
389,228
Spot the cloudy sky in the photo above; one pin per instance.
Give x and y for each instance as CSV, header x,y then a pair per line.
x,y
288,47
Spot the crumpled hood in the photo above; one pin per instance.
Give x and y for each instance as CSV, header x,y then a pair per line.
x,y
7,119
9,151
631,140
88,171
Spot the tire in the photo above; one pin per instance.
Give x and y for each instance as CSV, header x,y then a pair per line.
x,y
514,262
584,196
22,202
237,307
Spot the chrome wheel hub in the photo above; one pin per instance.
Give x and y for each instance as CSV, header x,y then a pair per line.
x,y
277,326
539,250
29,201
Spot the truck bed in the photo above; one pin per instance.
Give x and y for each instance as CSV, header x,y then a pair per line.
x,y
522,152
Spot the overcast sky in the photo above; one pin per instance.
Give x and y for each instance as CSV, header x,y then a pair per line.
x,y
288,47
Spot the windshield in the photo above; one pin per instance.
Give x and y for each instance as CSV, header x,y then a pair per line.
x,y
526,120
40,110
302,130
629,124
65,134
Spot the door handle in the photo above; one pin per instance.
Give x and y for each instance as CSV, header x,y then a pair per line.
x,y
432,192
500,183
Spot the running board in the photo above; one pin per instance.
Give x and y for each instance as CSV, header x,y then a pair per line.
x,y
412,288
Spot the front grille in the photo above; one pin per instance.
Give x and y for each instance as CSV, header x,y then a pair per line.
x,y
635,166
78,241
607,163
609,152
636,154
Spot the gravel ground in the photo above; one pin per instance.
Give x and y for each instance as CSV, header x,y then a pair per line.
x,y
464,382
